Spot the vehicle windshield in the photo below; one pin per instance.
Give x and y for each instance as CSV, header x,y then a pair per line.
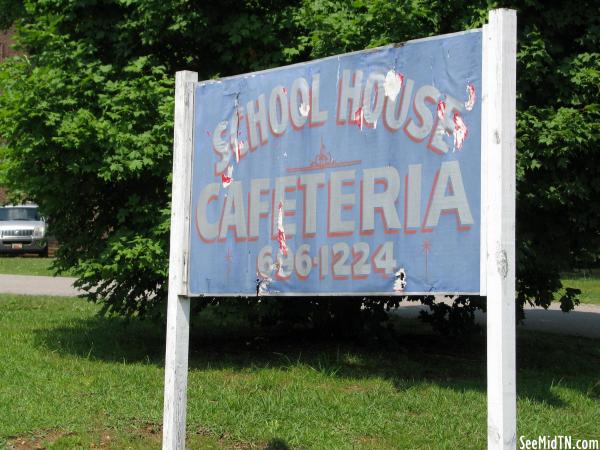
x,y
17,213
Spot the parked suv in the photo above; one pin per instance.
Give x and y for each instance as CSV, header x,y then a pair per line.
x,y
22,230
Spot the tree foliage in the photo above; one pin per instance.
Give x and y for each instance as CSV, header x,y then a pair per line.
x,y
86,119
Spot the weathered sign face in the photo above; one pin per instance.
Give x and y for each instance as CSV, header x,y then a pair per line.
x,y
355,174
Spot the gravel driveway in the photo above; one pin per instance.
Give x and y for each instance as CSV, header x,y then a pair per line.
x,y
30,285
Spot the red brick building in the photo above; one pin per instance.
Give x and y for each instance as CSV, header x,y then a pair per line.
x,y
6,44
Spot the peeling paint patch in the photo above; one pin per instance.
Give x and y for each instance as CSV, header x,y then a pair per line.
x,y
262,285
237,151
281,232
304,109
227,179
470,103
502,263
460,132
393,84
441,110
359,117
239,147
400,280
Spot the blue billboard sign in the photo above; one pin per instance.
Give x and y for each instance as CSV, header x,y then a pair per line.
x,y
358,174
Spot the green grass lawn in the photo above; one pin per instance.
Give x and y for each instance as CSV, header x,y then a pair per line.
x,y
590,287
28,265
19,265
70,379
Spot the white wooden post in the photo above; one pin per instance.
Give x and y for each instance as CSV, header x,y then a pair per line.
x,y
499,145
178,309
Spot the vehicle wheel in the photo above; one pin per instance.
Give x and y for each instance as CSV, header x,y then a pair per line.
x,y
44,253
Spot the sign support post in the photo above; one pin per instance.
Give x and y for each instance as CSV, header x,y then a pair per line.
x,y
493,249
178,308
499,145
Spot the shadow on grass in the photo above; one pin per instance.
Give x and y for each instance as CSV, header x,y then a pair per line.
x,y
415,355
277,444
